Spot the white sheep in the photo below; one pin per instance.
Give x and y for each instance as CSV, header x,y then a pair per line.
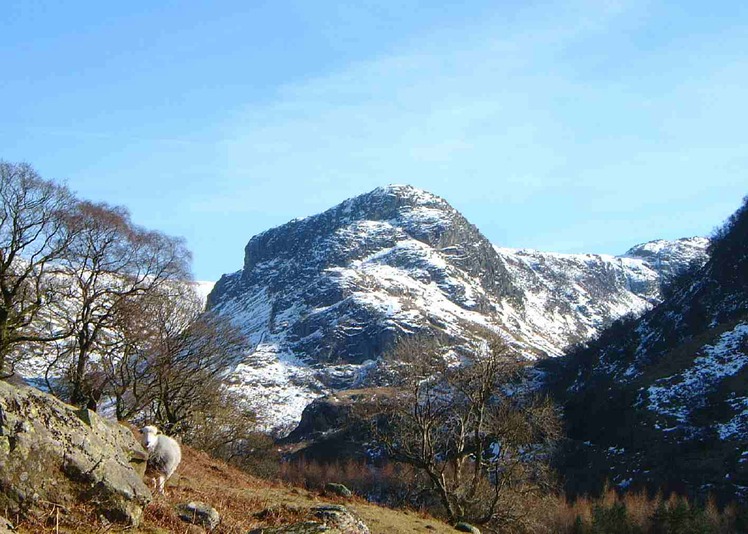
x,y
164,455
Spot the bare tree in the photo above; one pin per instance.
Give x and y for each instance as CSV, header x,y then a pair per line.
x,y
170,363
480,445
34,236
111,262
189,372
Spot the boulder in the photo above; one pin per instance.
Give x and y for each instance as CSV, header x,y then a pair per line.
x,y
331,519
52,453
198,513
467,527
340,517
338,489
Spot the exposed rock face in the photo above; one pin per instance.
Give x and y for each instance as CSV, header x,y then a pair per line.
x,y
335,427
306,527
662,400
322,298
48,453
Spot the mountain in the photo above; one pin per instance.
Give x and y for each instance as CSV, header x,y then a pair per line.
x,y
322,298
662,401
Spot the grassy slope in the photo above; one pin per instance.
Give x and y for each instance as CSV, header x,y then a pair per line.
x,y
239,498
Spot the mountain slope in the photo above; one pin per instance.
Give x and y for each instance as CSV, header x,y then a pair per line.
x,y
323,297
665,398
570,297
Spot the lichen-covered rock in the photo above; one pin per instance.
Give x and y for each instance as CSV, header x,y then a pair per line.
x,y
331,519
49,451
199,513
341,518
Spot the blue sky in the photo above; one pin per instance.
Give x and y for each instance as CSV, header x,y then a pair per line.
x,y
580,126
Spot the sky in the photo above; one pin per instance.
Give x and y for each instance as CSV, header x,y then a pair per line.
x,y
576,126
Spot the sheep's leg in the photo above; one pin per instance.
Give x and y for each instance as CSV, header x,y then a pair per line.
x,y
161,483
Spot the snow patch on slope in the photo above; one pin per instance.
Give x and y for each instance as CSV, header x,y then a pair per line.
x,y
678,395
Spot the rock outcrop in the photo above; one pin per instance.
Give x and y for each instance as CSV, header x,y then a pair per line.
x,y
333,488
52,453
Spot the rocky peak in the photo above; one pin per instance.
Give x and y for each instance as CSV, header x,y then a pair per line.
x,y
402,206
671,257
369,224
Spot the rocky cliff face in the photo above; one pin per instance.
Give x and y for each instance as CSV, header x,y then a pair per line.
x,y
322,298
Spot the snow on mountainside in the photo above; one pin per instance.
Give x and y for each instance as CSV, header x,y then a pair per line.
x,y
664,388
570,297
322,298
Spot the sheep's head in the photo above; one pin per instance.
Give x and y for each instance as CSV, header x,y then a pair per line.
x,y
150,438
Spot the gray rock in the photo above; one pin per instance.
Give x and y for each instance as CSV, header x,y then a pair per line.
x,y
332,519
49,453
338,489
198,513
467,527
340,517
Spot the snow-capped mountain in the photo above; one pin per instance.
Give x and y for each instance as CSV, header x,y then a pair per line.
x,y
664,398
322,298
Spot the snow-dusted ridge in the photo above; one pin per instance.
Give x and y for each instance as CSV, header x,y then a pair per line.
x,y
321,298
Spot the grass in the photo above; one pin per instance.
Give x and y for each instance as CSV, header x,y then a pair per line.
x,y
243,501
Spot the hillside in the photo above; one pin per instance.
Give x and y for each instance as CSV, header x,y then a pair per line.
x,y
322,298
243,502
661,401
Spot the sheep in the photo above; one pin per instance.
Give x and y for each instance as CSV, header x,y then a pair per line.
x,y
164,455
